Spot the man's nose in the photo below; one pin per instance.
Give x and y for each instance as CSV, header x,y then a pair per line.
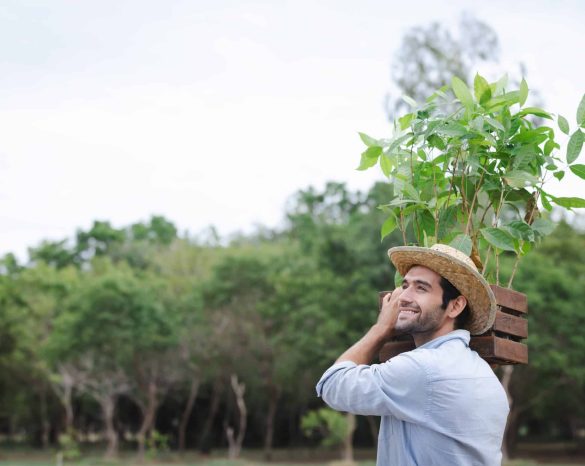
x,y
405,297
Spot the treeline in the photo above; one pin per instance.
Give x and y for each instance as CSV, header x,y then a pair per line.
x,y
141,335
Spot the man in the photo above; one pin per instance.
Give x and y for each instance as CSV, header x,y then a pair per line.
x,y
441,404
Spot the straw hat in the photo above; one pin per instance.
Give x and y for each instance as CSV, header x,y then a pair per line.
x,y
460,270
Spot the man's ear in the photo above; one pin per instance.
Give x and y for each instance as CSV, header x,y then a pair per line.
x,y
456,306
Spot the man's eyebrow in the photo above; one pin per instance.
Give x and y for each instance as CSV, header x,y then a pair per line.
x,y
419,282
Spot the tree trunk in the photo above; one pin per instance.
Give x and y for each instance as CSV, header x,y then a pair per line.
x,y
373,429
235,442
187,413
45,425
108,405
269,434
347,455
148,418
511,432
507,372
69,415
213,409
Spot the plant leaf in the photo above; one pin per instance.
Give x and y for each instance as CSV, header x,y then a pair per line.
x,y
574,146
481,87
500,85
410,101
451,129
405,121
388,227
368,140
563,124
581,112
385,165
499,238
462,243
519,179
462,92
410,191
486,96
436,141
569,202
426,222
579,170
559,175
447,220
543,226
521,230
495,124
369,157
398,279
545,201
549,146
539,112
523,92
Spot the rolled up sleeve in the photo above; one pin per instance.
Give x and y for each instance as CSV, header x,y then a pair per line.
x,y
397,387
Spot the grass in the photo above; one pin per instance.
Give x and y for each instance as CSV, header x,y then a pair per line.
x,y
251,458
215,462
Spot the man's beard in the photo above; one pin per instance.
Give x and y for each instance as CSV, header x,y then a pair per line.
x,y
422,322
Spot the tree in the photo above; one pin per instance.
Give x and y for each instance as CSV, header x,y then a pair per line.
x,y
552,277
117,332
429,56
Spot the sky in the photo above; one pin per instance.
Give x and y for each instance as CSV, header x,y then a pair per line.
x,y
217,112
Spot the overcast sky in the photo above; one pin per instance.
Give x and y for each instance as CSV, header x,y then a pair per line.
x,y
216,112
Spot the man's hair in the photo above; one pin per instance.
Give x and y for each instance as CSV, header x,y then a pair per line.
x,y
450,293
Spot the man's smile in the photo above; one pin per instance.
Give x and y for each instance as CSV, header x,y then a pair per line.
x,y
408,311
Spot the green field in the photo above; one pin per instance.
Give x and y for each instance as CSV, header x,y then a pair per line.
x,y
43,459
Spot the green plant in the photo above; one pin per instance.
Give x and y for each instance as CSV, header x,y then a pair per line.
x,y
69,446
468,169
330,425
156,443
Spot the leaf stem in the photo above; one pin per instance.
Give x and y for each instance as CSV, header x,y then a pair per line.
x,y
475,195
529,220
402,227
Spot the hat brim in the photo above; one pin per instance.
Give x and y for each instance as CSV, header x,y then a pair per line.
x,y
469,282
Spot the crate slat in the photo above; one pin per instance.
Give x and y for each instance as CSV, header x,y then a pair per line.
x,y
510,299
511,325
500,350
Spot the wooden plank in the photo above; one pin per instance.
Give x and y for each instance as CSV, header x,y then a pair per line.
x,y
500,350
510,299
511,325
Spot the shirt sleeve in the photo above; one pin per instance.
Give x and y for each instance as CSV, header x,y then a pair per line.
x,y
398,387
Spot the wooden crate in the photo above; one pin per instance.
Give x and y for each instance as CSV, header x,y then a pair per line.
x,y
501,344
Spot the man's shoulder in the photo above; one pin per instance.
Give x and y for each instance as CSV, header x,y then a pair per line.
x,y
452,359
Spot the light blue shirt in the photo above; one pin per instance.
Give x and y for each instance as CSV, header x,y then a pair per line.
x,y
441,404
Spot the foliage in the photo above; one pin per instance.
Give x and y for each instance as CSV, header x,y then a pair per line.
x,y
330,425
156,444
552,277
429,56
69,446
474,177
274,310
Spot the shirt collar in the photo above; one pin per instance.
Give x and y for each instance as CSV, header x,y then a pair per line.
x,y
462,335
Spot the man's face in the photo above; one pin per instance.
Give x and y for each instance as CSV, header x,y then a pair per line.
x,y
419,304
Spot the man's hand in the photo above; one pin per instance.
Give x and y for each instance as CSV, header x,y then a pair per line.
x,y
364,350
389,312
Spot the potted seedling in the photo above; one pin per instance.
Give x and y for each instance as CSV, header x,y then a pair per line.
x,y
468,168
